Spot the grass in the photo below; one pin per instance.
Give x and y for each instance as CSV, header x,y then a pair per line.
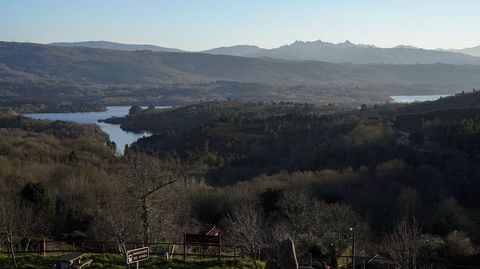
x,y
117,261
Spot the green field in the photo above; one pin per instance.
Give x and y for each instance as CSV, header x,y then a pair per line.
x,y
33,261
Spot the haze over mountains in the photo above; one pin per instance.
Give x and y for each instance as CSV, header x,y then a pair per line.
x,y
115,67
113,46
238,50
363,54
346,52
474,51
33,75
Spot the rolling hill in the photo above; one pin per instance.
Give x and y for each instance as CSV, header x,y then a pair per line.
x,y
238,50
112,46
143,76
474,51
346,52
114,67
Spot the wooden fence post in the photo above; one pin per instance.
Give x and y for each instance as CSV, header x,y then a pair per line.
x,y
219,246
184,246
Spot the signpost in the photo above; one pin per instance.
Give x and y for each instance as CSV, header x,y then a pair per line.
x,y
138,255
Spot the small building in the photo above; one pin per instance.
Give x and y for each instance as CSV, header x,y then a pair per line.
x,y
381,262
212,231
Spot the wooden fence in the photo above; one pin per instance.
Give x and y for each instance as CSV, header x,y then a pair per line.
x,y
175,249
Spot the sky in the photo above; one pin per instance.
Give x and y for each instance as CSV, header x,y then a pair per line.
x,y
203,24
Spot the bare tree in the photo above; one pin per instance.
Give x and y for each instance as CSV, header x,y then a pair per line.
x,y
146,176
299,209
119,220
9,224
336,220
171,212
246,228
315,222
403,244
17,220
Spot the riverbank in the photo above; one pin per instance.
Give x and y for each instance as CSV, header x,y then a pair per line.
x,y
115,133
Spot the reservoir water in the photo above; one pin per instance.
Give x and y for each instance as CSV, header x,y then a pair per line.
x,y
416,98
117,135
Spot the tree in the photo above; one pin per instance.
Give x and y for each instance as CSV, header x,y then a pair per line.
x,y
9,224
112,145
409,204
269,200
146,176
134,110
17,220
35,193
34,198
403,244
151,107
119,219
458,245
317,223
450,217
246,228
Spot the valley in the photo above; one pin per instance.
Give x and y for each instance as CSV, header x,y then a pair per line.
x,y
89,79
207,153
286,161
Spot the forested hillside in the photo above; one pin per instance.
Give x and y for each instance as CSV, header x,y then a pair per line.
x,y
58,168
310,172
379,151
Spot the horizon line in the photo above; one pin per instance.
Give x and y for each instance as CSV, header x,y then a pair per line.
x,y
246,44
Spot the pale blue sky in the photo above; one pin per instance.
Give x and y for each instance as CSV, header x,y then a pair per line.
x,y
203,24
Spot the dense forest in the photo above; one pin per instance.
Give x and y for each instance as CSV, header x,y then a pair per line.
x,y
261,172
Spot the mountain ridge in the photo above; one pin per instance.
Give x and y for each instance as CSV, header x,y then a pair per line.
x,y
473,51
348,52
237,50
32,75
318,50
101,44
149,68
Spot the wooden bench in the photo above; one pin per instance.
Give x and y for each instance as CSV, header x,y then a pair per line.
x,y
71,261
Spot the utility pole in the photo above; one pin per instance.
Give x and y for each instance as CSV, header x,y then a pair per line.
x,y
353,247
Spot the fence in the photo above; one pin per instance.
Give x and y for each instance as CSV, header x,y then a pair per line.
x,y
362,262
174,249
180,250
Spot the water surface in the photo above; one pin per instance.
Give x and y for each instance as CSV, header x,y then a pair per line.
x,y
416,98
117,135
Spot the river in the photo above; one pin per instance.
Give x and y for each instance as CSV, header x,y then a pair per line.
x,y
117,135
416,98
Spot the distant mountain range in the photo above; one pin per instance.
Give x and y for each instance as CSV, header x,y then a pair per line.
x,y
346,52
115,67
113,46
474,51
38,75
238,50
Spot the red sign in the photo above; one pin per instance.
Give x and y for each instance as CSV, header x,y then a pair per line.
x,y
138,255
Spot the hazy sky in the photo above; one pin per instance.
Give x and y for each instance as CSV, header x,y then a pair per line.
x,y
203,24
